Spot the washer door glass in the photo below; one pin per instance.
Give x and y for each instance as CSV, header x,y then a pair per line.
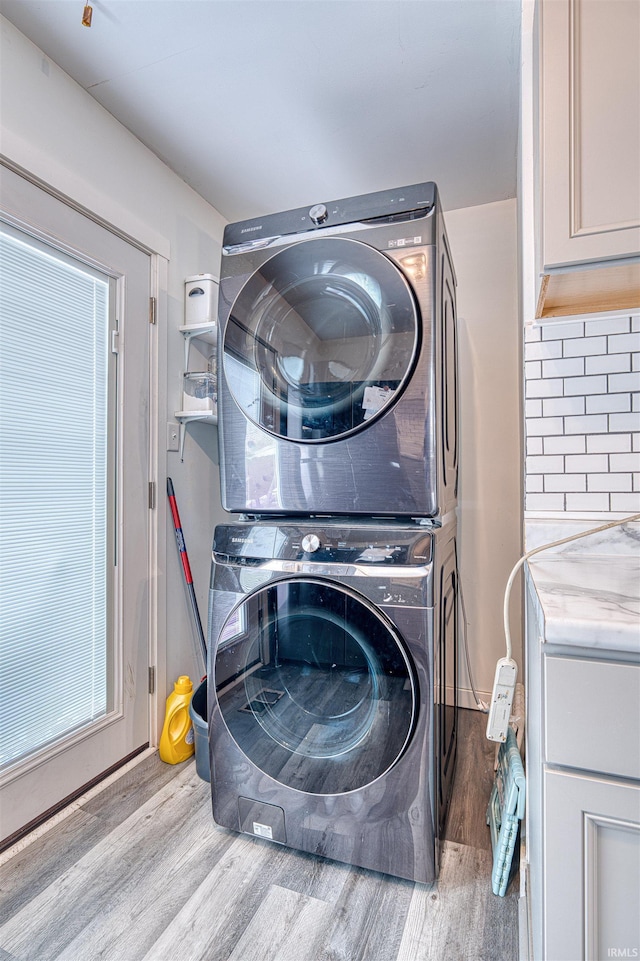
x,y
320,339
319,692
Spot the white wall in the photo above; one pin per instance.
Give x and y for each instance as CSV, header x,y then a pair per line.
x,y
484,244
54,130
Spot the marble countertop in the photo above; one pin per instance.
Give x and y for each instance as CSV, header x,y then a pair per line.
x,y
589,591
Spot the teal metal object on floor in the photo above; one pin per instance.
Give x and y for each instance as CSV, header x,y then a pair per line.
x,y
505,811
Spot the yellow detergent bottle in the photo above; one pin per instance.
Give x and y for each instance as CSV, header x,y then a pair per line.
x,y
177,741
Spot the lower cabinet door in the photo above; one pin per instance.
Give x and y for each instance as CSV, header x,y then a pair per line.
x,y
592,876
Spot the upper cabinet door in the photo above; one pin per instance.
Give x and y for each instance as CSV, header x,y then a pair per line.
x,y
590,124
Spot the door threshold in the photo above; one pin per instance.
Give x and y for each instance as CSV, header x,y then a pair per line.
x,y
21,839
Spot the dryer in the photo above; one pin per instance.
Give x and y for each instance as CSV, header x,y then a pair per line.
x,y
332,688
337,388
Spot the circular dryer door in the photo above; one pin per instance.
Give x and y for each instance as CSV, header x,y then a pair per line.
x,y
318,690
320,339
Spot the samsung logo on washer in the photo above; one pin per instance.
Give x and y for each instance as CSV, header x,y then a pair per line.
x,y
249,230
242,540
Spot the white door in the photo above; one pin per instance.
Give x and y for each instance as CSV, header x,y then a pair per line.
x,y
74,465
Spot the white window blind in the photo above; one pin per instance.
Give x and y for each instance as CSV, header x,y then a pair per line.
x,y
54,330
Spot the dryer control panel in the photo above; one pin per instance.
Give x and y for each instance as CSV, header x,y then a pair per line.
x,y
408,202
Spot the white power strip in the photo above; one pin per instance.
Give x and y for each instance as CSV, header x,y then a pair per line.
x,y
504,686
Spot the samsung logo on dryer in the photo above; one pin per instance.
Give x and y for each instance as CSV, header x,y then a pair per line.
x,y
242,540
250,230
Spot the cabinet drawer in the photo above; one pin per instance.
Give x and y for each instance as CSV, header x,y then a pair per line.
x,y
592,715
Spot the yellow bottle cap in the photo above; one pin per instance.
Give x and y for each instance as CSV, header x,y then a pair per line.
x,y
183,685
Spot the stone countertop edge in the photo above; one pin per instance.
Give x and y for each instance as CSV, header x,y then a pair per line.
x,y
589,600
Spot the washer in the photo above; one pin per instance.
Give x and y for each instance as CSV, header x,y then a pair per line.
x,y
337,360
332,688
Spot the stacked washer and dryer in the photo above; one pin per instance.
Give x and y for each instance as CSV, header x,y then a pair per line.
x,y
332,672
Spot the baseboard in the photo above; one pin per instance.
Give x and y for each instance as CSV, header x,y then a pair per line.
x,y
525,946
466,698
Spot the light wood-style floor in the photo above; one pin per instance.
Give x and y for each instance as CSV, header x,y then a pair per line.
x,y
140,871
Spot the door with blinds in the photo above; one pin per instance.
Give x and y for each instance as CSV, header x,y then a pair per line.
x,y
74,464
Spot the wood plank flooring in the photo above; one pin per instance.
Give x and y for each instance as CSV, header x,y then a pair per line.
x,y
141,873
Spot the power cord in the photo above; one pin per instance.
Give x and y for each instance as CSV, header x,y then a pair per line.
x,y
482,706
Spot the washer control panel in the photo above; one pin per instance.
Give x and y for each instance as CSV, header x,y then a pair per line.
x,y
364,544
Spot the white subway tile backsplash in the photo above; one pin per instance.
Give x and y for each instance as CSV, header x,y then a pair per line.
x,y
607,364
564,482
542,426
610,325
626,502
623,343
545,502
622,382
589,424
534,445
543,351
576,444
587,462
563,330
609,404
545,465
609,482
583,415
562,406
624,422
582,346
587,502
532,332
608,444
545,388
587,385
624,462
563,367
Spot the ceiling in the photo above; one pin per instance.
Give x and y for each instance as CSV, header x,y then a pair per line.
x,y
264,105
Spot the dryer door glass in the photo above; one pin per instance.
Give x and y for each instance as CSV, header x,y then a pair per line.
x,y
318,690
321,339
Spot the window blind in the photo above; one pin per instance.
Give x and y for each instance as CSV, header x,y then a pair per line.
x,y
54,330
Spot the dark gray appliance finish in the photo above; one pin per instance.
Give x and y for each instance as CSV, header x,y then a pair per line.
x,y
337,389
332,680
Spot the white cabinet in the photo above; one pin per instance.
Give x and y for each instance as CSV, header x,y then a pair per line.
x,y
589,155
592,853
583,796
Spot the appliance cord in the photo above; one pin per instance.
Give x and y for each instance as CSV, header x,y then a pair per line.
x,y
480,703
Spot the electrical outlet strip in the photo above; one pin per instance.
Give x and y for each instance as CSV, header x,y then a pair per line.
x,y
504,685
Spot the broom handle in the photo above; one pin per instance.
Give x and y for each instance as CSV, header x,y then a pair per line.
x,y
182,550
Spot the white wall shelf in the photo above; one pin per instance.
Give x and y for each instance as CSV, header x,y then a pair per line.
x,y
186,416
208,333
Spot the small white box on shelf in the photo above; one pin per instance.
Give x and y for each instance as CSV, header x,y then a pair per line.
x,y
200,391
200,299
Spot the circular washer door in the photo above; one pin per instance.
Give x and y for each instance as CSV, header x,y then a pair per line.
x,y
315,687
320,339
